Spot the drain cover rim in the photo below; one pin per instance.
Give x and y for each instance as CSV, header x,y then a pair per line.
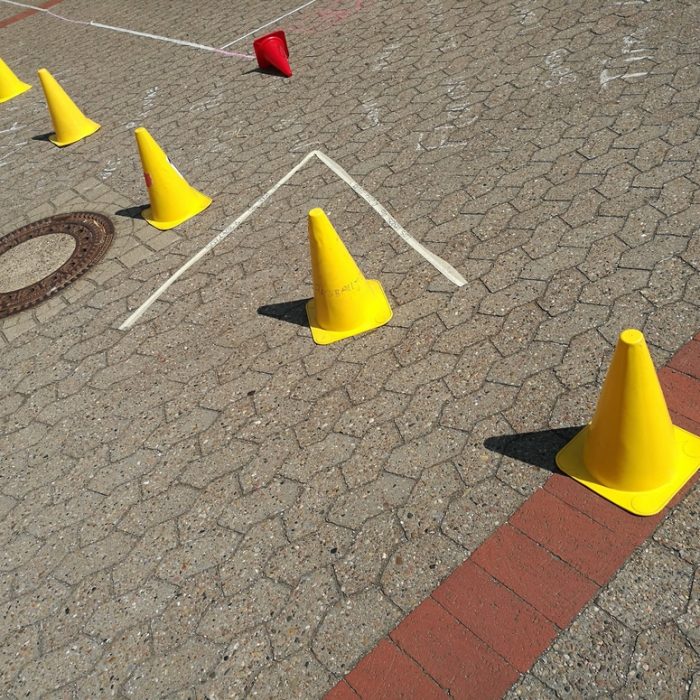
x,y
93,234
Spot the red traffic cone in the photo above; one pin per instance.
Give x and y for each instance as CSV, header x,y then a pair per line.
x,y
271,51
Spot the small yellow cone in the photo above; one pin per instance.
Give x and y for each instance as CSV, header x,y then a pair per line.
x,y
631,453
69,123
173,199
344,302
10,84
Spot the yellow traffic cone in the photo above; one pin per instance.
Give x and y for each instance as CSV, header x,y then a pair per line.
x,y
344,302
172,199
631,453
69,123
10,84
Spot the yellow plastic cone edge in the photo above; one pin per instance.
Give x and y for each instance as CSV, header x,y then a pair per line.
x,y
172,199
13,85
356,305
69,123
324,336
683,459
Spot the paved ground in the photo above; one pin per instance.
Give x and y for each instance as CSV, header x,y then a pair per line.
x,y
211,505
523,593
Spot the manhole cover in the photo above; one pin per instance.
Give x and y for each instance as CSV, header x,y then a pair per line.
x,y
93,235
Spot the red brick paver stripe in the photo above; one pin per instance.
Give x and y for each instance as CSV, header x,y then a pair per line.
x,y
530,571
389,674
508,624
681,393
492,617
453,655
27,13
571,535
687,359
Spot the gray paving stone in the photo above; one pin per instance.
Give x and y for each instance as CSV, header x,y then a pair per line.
x,y
239,666
662,665
18,649
144,557
326,546
333,450
364,561
160,676
426,506
179,622
530,687
679,532
297,620
657,599
158,509
241,612
128,650
310,510
259,505
220,447
472,368
57,668
412,458
299,676
364,619
214,546
417,567
571,665
74,615
689,622
260,542
471,518
130,609
365,502
358,419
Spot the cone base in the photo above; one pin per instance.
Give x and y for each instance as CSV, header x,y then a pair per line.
x,y
570,460
89,129
147,214
323,336
19,90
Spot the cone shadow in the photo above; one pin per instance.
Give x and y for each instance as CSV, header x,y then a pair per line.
x,y
132,212
290,311
42,137
265,71
537,448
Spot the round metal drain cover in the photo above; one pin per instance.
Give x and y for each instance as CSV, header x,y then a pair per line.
x,y
93,235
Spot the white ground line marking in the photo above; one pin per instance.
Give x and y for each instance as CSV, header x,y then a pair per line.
x,y
212,243
133,32
267,24
606,77
444,267
16,126
191,44
437,262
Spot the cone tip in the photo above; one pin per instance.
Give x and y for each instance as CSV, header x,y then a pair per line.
x,y
140,130
631,336
317,213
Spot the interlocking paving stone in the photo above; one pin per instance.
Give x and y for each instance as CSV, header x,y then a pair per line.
x,y
570,665
219,447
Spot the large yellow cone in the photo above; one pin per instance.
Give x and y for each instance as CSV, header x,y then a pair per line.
x,y
10,84
631,453
172,199
69,123
344,302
